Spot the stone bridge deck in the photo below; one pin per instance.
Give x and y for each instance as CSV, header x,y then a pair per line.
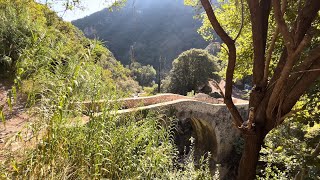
x,y
128,103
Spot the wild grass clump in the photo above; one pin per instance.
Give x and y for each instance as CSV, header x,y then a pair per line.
x,y
109,146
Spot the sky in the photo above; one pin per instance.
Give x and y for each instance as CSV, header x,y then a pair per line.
x,y
87,7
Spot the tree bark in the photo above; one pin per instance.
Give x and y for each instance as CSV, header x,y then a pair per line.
x,y
250,156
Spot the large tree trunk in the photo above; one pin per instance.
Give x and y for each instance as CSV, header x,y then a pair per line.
x,y
250,156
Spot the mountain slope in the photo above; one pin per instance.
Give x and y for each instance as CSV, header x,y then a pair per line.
x,y
153,28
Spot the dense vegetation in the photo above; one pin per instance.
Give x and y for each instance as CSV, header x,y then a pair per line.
x,y
150,28
34,40
56,66
292,150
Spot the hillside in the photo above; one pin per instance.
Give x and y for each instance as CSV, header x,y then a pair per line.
x,y
43,57
35,43
154,28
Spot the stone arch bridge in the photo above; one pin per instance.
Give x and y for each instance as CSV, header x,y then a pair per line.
x,y
211,121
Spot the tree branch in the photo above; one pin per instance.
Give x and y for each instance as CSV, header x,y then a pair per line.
x,y
302,68
308,78
305,18
305,41
215,24
231,60
259,15
242,21
278,70
265,8
294,48
269,56
259,18
272,45
316,151
281,82
283,28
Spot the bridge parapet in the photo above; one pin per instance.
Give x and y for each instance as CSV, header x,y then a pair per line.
x,y
128,103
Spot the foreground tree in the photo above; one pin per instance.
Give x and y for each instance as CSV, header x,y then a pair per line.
x,y
279,84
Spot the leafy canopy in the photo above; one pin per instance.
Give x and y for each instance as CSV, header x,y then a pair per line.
x,y
192,70
145,75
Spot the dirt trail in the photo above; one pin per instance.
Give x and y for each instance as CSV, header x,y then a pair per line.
x,y
15,119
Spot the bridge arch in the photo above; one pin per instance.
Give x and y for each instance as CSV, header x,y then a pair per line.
x,y
212,123
205,138
214,132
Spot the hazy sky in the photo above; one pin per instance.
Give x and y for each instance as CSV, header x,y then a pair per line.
x,y
89,7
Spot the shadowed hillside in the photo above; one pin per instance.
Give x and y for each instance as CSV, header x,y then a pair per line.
x,y
153,28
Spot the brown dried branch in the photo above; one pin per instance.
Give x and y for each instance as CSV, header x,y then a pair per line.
x,y
311,70
216,85
316,151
